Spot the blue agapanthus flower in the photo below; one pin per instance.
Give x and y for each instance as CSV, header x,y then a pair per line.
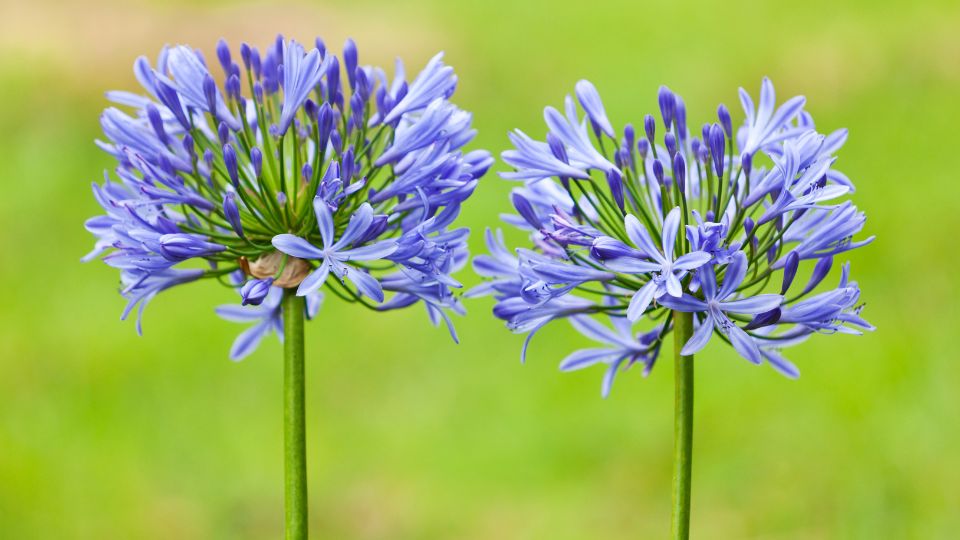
x,y
627,228
287,168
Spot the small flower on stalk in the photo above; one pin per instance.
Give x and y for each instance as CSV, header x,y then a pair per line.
x,y
632,230
289,174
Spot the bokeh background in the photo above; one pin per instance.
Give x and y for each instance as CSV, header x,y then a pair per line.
x,y
104,434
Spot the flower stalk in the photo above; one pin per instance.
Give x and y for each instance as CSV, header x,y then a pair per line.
x,y
294,418
682,426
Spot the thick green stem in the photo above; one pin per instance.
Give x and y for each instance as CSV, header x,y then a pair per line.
x,y
682,426
294,421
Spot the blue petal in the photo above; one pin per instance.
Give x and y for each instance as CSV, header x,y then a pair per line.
x,y
736,271
641,301
631,265
641,238
699,339
296,247
609,376
324,220
315,280
781,364
685,303
369,252
366,283
752,306
671,224
359,223
248,340
586,358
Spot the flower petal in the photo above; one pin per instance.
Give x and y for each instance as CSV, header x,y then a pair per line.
x,y
609,376
631,265
670,225
691,261
640,237
754,305
674,288
742,342
700,337
641,300
315,280
248,340
781,364
296,247
736,271
586,358
369,252
594,330
324,220
359,223
685,303
366,283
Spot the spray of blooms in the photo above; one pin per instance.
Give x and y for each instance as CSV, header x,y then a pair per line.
x,y
284,168
626,227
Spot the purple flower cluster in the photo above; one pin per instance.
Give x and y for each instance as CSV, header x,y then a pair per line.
x,y
628,228
287,168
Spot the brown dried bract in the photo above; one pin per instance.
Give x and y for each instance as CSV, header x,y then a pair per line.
x,y
268,264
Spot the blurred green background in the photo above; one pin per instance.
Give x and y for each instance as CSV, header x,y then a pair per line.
x,y
104,434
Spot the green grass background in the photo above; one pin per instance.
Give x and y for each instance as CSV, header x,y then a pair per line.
x,y
106,435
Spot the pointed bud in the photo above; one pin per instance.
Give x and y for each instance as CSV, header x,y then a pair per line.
x,y
210,93
615,182
153,114
670,141
820,271
232,212
668,105
256,63
658,170
350,61
223,55
256,159
789,271
230,160
307,173
723,114
680,172
245,55
255,291
764,319
629,136
188,146
557,148
681,119
717,148
746,162
525,209
333,81
223,133
650,127
643,146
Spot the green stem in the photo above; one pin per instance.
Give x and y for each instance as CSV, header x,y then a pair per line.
x,y
682,426
294,424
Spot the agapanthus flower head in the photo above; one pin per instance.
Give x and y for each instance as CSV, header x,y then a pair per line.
x,y
291,169
625,230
